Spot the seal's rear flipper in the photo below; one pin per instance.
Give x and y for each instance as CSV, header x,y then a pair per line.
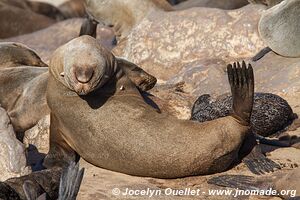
x,y
258,163
32,191
70,182
235,181
241,80
261,54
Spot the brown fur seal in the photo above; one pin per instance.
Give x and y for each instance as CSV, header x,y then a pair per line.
x,y
37,7
73,8
224,4
16,54
23,85
107,105
110,11
286,184
17,21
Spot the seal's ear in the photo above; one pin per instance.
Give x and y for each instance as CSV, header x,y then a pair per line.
x,y
137,75
62,74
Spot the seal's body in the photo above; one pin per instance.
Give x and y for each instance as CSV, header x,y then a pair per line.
x,y
110,125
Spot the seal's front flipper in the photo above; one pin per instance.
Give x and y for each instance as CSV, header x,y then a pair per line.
x,y
70,182
261,54
241,80
89,27
137,75
235,181
258,163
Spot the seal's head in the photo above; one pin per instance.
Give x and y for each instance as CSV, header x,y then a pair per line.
x,y
83,65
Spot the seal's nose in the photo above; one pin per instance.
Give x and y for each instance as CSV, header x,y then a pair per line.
x,y
84,75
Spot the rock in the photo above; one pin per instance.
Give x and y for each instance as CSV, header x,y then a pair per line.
x,y
38,135
279,28
166,44
12,151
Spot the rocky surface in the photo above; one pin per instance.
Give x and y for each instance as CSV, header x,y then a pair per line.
x,y
12,151
167,43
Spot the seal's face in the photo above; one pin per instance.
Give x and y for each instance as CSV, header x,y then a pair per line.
x,y
87,66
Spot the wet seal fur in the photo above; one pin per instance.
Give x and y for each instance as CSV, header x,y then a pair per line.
x,y
270,114
107,104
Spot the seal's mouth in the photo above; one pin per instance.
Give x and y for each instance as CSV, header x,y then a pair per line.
x,y
84,80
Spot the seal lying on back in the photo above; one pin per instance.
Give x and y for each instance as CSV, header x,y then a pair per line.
x,y
97,103
270,114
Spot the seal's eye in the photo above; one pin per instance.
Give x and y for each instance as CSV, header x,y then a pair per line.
x,y
62,74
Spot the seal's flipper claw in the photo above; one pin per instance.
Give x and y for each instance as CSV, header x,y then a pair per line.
x,y
234,181
241,80
258,163
70,182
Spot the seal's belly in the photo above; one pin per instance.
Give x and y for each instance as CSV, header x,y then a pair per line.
x,y
126,135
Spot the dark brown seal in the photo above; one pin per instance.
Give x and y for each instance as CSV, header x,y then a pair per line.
x,y
122,132
23,81
271,113
110,13
16,54
17,21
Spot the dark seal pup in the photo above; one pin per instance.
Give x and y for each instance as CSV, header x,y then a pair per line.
x,y
270,114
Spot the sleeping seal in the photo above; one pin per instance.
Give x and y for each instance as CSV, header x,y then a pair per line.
x,y
23,83
97,113
110,110
16,54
